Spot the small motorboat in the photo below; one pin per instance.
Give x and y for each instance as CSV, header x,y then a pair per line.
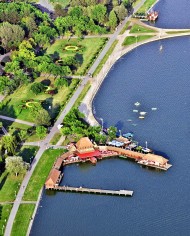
x,y
154,108
135,111
137,104
143,113
141,117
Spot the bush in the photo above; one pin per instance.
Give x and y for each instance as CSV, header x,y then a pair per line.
x,y
37,88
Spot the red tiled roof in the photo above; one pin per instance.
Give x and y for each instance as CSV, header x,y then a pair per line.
x,y
89,154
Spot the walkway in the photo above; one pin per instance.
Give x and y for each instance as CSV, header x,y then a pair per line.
x,y
17,120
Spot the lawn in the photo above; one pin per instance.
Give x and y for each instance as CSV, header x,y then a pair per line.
x,y
141,29
132,39
9,186
55,138
49,102
63,3
82,95
146,6
40,173
88,49
105,58
125,27
22,220
5,210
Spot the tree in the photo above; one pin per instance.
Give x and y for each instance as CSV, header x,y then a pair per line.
x,y
112,19
11,35
121,12
22,134
112,130
9,143
99,13
42,117
60,82
15,165
41,131
37,88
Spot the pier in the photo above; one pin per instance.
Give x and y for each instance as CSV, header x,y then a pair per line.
x,y
92,190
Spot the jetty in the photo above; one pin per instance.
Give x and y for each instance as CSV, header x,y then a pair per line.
x,y
95,191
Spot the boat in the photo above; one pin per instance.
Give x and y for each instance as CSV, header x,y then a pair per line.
x,y
128,135
135,110
161,47
152,15
141,117
129,120
134,124
142,113
137,104
154,108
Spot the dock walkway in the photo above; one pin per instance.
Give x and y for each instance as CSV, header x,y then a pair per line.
x,y
95,191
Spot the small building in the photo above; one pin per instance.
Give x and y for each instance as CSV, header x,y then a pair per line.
x,y
53,179
58,163
85,149
84,145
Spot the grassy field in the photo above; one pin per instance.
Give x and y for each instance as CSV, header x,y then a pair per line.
x,y
5,210
146,6
40,173
63,3
132,39
22,219
178,32
125,27
82,95
9,185
105,58
88,49
24,93
140,29
55,138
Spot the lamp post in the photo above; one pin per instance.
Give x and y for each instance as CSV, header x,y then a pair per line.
x,y
102,123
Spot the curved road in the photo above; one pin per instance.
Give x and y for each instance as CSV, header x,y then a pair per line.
x,y
45,142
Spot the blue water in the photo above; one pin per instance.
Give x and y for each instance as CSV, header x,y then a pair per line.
x,y
173,14
160,205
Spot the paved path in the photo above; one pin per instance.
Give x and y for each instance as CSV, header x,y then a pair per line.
x,y
46,5
44,143
17,120
4,55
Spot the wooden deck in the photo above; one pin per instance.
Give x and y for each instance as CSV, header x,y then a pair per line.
x,y
95,191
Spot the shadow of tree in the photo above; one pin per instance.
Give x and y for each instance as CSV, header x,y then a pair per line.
x,y
3,181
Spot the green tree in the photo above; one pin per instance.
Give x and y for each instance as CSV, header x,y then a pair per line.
x,y
9,143
42,117
112,130
121,12
15,165
11,35
41,131
112,19
99,13
37,88
60,82
22,134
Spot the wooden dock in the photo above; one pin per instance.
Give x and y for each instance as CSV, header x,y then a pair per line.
x,y
95,191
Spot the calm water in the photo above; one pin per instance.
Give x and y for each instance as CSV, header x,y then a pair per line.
x,y
160,205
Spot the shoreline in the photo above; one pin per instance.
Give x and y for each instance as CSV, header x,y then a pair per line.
x,y
119,51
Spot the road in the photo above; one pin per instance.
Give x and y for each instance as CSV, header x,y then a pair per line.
x,y
45,142
17,120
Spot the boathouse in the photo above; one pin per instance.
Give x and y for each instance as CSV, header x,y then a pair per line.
x,y
85,149
58,163
53,179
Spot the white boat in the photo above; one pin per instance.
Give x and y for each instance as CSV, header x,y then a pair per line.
x,y
129,120
154,108
161,47
137,104
134,124
141,117
142,113
135,111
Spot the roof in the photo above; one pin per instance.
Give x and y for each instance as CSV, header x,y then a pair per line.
x,y
84,143
58,163
89,154
53,176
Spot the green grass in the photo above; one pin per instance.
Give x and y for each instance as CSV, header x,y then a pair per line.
x,y
132,39
63,3
82,95
22,219
105,58
10,185
146,6
125,27
90,48
55,138
40,173
140,29
178,32
5,210
13,101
